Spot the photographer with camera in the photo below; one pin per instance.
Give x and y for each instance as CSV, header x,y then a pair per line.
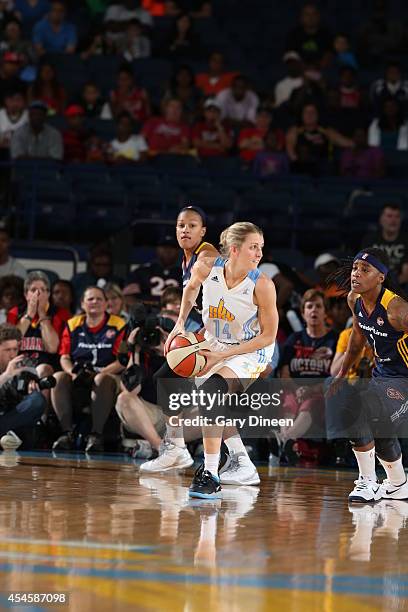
x,y
89,346
21,403
137,404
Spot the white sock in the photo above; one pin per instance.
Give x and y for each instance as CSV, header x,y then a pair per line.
x,y
175,434
211,462
395,471
366,463
235,445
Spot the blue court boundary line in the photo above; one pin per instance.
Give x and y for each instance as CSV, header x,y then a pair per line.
x,y
387,585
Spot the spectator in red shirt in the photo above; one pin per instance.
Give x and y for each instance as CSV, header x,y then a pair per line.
x,y
251,139
350,94
40,323
75,136
168,134
90,341
210,137
216,79
47,88
129,97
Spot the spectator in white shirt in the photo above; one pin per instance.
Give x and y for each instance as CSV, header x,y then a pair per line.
x,y
135,44
127,146
12,116
121,12
8,264
238,103
294,79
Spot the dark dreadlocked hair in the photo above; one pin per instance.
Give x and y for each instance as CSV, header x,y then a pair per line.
x,y
341,276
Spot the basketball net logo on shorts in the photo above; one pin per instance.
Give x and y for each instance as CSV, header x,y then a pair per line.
x,y
394,394
220,312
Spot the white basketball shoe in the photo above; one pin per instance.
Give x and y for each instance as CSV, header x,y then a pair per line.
x,y
10,441
171,457
365,491
390,491
239,470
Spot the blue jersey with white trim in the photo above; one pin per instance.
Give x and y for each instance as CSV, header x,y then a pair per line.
x,y
389,345
230,315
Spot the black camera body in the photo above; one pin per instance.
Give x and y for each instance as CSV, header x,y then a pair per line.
x,y
132,377
14,390
85,373
149,334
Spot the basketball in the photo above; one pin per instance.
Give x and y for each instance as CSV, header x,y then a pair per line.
x,y
183,357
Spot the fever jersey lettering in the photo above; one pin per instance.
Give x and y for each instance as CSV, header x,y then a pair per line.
x,y
389,346
98,345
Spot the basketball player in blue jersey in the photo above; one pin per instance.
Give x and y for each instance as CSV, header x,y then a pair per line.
x,y
241,321
380,317
190,231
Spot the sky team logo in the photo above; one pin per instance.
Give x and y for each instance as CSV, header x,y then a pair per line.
x,y
395,394
220,312
380,321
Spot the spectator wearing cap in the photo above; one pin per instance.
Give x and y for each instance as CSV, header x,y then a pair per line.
x,y
127,147
12,116
309,38
293,80
8,264
47,88
54,34
238,103
36,139
325,264
217,78
251,139
211,137
75,135
9,74
168,133
154,277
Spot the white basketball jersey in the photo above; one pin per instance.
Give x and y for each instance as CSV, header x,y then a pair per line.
x,y
229,315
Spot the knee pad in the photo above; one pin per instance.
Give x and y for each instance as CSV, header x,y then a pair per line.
x,y
388,449
214,389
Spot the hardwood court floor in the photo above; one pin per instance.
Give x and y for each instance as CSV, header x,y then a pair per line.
x,y
117,541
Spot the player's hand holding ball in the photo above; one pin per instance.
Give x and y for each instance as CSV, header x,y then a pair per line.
x,y
177,329
184,353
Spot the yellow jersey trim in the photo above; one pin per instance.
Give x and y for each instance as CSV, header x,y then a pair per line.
x,y
203,244
387,297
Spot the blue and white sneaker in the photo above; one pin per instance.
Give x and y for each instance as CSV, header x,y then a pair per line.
x,y
390,491
205,485
365,491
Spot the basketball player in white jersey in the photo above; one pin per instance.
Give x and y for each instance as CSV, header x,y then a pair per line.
x,y
241,320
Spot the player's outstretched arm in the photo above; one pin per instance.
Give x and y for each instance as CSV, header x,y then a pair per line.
x,y
356,342
199,273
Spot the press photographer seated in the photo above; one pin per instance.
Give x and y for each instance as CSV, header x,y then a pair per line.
x,y
89,347
137,404
21,403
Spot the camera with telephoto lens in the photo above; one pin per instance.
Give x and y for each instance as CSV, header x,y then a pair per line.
x,y
14,390
149,334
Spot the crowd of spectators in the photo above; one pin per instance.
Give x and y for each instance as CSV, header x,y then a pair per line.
x,y
318,119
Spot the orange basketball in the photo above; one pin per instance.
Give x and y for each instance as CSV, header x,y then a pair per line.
x,y
183,357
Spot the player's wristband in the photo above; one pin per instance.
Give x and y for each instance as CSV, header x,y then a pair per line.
x,y
44,319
